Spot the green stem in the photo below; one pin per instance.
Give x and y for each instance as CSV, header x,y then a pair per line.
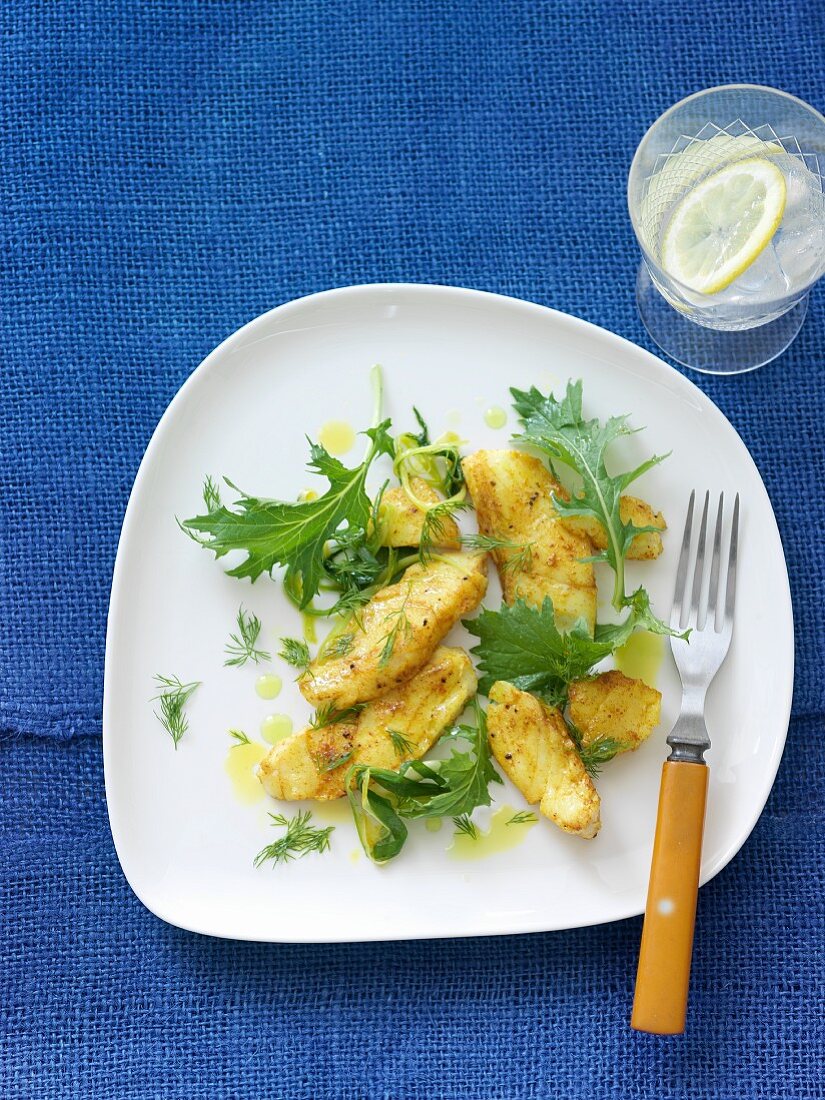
x,y
619,598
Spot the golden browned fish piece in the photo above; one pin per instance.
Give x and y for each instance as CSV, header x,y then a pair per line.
x,y
530,742
613,705
632,510
397,632
402,521
513,497
416,713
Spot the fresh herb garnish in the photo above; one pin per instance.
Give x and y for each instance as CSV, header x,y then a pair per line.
x,y
323,764
559,429
438,464
239,737
522,645
594,753
433,529
299,840
402,745
338,646
241,646
515,562
328,715
423,437
400,628
211,494
173,695
381,799
464,826
295,652
523,817
296,534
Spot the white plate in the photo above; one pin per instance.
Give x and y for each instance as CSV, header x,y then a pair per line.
x,y
186,843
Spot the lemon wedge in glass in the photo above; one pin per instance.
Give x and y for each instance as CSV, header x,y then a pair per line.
x,y
723,223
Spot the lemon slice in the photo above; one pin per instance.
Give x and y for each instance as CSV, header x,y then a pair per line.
x,y
722,224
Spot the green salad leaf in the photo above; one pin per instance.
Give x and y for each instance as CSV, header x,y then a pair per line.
x,y
559,430
293,534
522,645
381,799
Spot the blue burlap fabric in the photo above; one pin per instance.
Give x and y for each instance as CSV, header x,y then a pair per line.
x,y
170,170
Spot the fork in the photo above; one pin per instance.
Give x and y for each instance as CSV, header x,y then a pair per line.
x,y
660,1001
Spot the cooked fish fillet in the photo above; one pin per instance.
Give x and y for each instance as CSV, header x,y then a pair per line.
x,y
531,743
402,521
397,632
418,711
632,510
513,497
613,705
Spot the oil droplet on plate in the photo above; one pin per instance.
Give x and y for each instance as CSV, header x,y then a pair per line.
x,y
640,656
433,824
337,436
449,437
495,417
240,764
355,855
275,727
500,837
268,686
335,811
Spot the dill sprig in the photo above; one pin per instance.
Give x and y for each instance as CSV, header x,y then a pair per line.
x,y
328,715
239,737
324,765
400,628
339,647
433,527
517,561
465,826
241,646
294,652
402,745
524,817
173,696
211,494
299,840
595,753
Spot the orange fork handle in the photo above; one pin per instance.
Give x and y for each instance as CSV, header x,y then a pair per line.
x,y
660,1002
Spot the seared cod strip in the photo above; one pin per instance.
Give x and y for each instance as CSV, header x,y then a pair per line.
x,y
531,743
513,497
632,510
402,522
613,705
397,632
418,711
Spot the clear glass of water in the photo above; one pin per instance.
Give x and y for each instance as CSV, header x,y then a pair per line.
x,y
726,199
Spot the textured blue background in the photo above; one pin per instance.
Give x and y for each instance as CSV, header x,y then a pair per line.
x,y
172,169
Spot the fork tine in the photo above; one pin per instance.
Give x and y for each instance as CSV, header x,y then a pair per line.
x,y
713,587
681,572
730,586
699,567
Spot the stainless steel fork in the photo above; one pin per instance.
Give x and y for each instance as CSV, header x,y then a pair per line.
x,y
704,605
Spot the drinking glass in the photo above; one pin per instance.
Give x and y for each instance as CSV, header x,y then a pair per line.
x,y
755,317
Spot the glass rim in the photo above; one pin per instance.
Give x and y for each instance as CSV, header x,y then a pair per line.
x,y
646,254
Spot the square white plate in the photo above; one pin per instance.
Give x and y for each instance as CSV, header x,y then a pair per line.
x,y
185,841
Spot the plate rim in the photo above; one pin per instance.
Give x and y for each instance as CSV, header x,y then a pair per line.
x,y
590,330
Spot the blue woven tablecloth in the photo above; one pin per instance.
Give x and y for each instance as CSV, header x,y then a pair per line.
x,y
170,170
